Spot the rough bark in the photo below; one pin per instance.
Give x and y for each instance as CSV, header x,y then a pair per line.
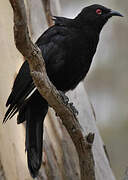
x,y
37,68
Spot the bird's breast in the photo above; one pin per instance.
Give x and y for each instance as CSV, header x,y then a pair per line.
x,y
76,64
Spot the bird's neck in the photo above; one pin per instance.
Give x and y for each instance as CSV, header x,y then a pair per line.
x,y
84,24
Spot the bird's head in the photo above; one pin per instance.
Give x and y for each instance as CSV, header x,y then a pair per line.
x,y
96,16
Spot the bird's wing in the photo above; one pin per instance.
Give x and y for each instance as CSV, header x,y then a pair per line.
x,y
54,45
50,44
22,87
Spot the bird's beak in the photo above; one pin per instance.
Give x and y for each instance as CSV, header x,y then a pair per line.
x,y
115,13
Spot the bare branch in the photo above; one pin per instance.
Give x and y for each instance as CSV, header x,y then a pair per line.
x,y
48,91
47,10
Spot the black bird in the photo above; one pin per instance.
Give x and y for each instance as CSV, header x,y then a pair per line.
x,y
68,48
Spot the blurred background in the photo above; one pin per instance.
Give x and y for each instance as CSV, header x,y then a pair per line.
x,y
106,83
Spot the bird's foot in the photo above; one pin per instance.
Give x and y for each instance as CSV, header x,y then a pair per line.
x,y
65,99
74,110
66,102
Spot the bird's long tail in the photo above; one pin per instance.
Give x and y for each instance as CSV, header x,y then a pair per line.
x,y
34,134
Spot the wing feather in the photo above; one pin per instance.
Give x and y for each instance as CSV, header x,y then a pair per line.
x,y
50,42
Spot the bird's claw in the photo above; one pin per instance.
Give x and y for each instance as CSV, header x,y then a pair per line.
x,y
70,105
74,110
65,99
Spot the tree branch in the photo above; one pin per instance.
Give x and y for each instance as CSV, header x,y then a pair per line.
x,y
47,10
37,68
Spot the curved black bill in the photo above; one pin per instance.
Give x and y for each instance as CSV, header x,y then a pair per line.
x,y
115,13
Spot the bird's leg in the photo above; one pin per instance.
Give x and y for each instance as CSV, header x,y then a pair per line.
x,y
66,100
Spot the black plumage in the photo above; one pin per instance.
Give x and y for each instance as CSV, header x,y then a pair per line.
x,y
68,48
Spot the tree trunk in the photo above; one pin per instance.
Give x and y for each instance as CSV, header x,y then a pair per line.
x,y
60,160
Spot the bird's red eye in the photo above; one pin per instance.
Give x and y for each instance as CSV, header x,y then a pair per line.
x,y
99,11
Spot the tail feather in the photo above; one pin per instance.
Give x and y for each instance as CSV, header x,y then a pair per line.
x,y
21,115
32,108
34,139
34,162
34,136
